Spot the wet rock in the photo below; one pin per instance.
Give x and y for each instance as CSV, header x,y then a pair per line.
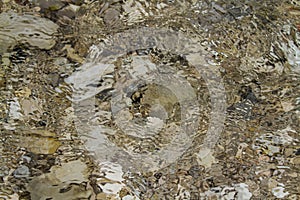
x,y
72,55
45,189
73,172
69,11
111,16
39,141
26,159
40,145
278,192
15,28
21,172
51,5
242,191
61,183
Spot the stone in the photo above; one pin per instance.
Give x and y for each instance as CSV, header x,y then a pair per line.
x,y
21,172
34,30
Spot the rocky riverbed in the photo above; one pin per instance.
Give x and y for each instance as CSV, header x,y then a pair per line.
x,y
160,99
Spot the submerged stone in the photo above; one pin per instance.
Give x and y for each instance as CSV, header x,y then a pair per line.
x,y
39,141
61,183
22,171
34,30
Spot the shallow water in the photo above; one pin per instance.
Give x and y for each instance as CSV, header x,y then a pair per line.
x,y
149,99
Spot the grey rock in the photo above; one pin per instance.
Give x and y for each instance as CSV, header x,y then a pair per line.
x,y
15,28
22,171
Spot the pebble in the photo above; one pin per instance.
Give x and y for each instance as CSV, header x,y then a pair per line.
x,y
21,171
51,4
278,192
68,11
111,15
